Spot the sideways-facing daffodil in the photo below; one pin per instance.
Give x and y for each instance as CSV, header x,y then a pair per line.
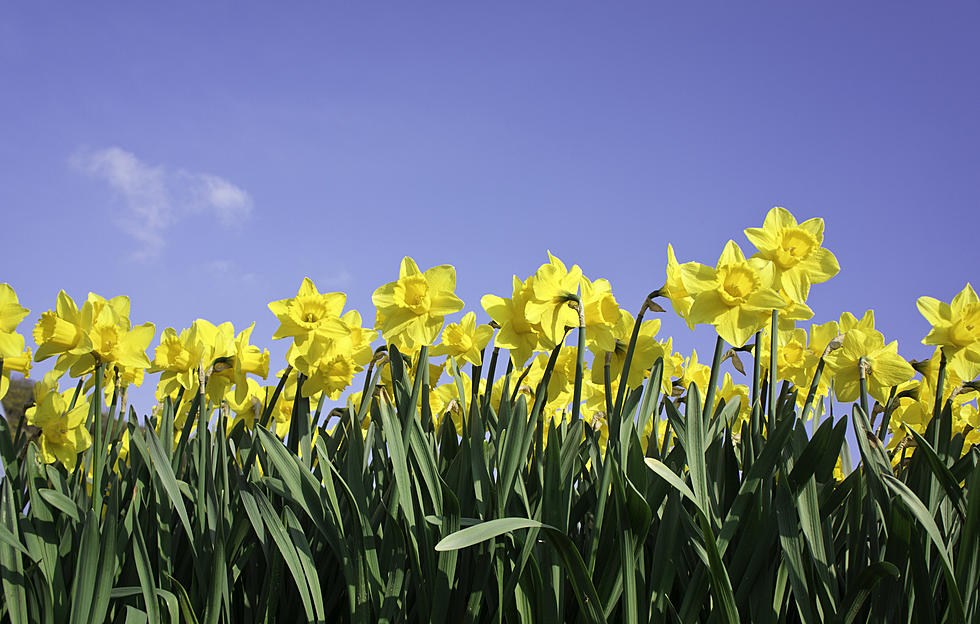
x,y
955,328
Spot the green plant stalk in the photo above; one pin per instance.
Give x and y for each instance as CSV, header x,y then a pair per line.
x,y
756,384
812,392
709,395
937,409
579,363
863,384
630,349
97,453
490,373
773,365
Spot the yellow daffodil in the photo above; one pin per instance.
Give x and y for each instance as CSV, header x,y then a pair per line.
x,y
795,251
553,288
955,328
359,338
247,359
736,296
517,333
248,408
820,336
411,309
645,353
795,362
695,372
791,312
63,433
308,312
113,341
330,372
885,368
464,340
731,391
602,314
59,332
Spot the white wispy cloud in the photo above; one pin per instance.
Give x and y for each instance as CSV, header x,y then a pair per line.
x,y
155,198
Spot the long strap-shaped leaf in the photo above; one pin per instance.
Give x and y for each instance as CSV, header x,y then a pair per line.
x,y
585,592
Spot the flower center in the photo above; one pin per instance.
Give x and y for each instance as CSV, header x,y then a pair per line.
x,y
308,311
738,282
412,292
105,337
795,245
458,338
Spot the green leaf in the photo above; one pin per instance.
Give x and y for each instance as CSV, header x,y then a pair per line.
x,y
915,506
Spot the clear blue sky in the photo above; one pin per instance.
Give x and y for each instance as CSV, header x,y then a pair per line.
x,y
203,158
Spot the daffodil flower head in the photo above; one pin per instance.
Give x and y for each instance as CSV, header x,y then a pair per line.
x,y
517,334
554,287
695,372
955,328
112,339
884,366
63,434
736,296
645,353
464,340
730,391
795,251
309,312
411,310
602,314
60,331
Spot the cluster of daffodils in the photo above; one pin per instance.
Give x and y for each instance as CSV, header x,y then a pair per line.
x,y
741,297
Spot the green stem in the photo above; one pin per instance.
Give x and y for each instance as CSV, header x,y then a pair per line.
x,y
812,393
937,409
579,363
863,382
757,384
490,372
709,395
97,454
773,353
628,361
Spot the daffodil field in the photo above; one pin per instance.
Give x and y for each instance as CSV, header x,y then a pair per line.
x,y
543,458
